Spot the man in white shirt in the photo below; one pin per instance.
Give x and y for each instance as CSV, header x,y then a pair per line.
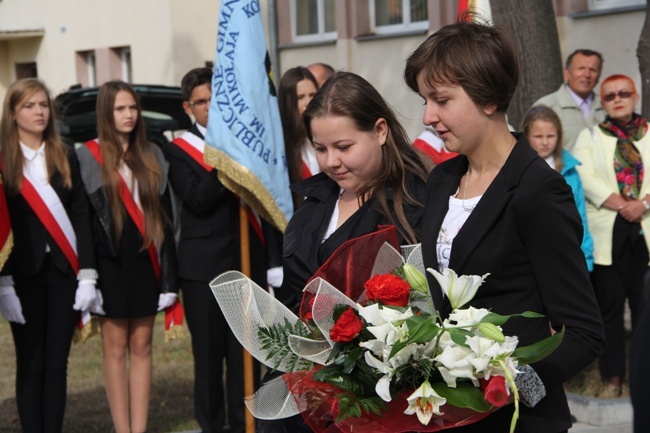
x,y
575,102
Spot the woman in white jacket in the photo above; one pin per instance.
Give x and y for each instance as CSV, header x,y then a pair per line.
x,y
618,201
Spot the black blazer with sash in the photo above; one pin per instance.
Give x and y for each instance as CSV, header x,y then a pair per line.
x,y
209,237
102,219
30,235
526,232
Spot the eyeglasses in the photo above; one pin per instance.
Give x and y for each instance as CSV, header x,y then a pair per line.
x,y
199,103
623,94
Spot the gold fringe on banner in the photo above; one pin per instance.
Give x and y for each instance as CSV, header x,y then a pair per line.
x,y
91,328
243,182
6,247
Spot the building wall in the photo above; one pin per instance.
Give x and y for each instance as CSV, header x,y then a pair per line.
x,y
169,37
166,38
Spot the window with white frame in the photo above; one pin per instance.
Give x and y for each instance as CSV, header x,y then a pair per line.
x,y
611,4
389,16
313,20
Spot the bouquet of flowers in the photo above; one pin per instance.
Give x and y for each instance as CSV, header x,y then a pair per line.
x,y
386,362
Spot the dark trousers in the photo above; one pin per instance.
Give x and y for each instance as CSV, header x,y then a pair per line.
x,y
212,344
616,283
42,347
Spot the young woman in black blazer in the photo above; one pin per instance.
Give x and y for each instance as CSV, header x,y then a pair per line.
x,y
52,265
371,176
126,181
499,209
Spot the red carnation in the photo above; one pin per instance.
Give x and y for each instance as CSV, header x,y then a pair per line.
x,y
347,326
388,289
495,390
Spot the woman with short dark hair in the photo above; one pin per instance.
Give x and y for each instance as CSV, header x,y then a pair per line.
x,y
499,209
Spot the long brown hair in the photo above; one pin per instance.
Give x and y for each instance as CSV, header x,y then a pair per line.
x,y
546,114
138,157
349,95
293,128
12,155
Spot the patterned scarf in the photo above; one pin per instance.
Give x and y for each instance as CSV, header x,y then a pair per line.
x,y
628,164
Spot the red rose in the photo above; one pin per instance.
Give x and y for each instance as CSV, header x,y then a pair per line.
x,y
309,315
388,289
347,326
495,390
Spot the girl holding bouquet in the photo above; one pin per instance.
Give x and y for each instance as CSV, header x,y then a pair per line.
x,y
51,269
125,179
499,209
371,175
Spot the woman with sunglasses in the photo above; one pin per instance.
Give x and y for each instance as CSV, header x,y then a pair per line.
x,y
618,204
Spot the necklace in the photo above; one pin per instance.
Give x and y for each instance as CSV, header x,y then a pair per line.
x,y
472,206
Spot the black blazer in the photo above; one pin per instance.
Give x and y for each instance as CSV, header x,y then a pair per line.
x,y
102,219
209,223
303,251
526,232
30,235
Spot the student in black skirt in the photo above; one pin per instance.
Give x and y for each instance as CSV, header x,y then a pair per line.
x,y
125,179
52,265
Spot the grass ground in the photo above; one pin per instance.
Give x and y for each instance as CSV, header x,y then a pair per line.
x,y
171,407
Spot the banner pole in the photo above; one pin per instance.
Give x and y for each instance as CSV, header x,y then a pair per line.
x,y
244,239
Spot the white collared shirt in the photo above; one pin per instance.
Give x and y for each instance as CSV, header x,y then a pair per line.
x,y
202,129
35,167
584,104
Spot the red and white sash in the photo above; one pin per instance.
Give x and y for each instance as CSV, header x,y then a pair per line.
x,y
47,206
194,146
6,237
130,204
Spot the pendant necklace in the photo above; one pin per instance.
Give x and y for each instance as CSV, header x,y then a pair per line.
x,y
472,206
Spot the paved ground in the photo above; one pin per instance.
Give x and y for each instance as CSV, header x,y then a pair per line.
x,y
586,428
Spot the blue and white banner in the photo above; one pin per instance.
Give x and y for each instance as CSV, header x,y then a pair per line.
x,y
244,138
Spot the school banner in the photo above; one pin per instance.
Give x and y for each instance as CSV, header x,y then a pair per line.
x,y
244,138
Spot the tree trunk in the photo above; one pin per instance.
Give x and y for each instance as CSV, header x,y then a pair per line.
x,y
643,54
534,30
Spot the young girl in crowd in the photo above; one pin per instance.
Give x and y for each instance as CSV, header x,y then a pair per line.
x,y
125,179
52,264
297,87
543,129
498,209
371,175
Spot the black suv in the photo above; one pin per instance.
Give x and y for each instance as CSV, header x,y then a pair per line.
x,y
161,109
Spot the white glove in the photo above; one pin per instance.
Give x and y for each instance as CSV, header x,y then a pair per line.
x,y
85,296
97,306
274,276
166,300
10,307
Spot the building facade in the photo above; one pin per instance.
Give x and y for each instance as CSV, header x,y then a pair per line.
x,y
87,42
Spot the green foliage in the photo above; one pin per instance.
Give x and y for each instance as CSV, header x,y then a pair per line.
x,y
498,320
275,339
421,330
538,351
352,406
464,395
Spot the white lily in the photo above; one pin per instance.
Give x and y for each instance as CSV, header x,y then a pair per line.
x,y
456,362
469,316
425,402
459,290
377,315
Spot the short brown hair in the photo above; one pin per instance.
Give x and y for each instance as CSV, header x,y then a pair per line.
x,y
480,58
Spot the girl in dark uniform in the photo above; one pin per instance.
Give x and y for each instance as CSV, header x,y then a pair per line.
x,y
52,265
125,179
